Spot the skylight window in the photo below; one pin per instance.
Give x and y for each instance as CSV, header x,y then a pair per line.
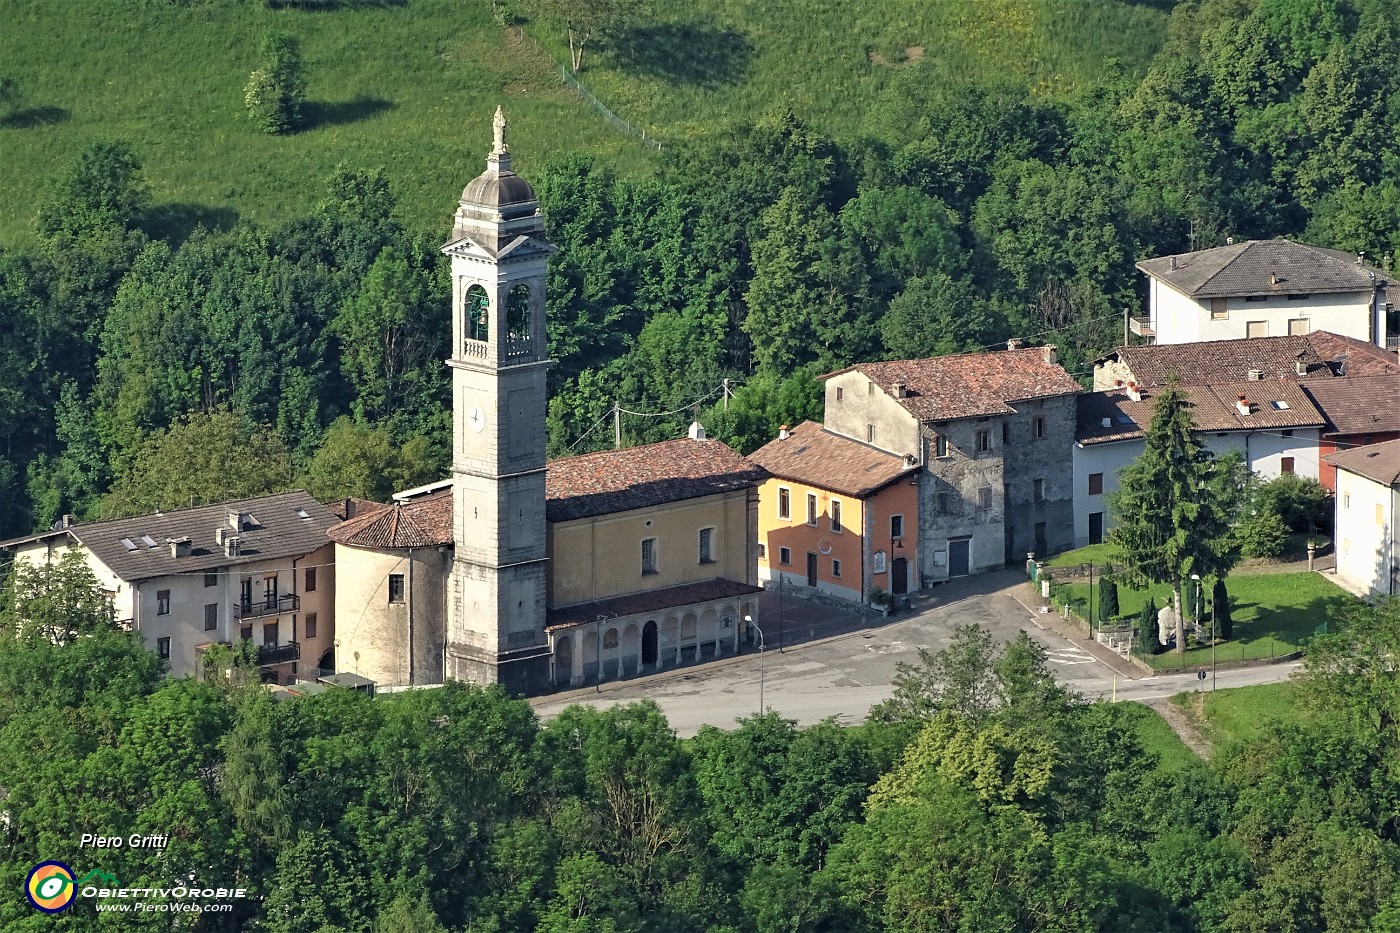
x,y
149,541
1126,419
303,514
1279,405
129,544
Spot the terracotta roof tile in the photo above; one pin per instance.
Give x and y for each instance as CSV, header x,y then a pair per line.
x,y
817,457
970,385
1272,404
1263,267
671,597
1222,360
1358,405
648,475
425,522
1351,357
1380,462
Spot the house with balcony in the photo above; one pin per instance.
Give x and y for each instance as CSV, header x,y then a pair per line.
x,y
836,515
259,570
1266,288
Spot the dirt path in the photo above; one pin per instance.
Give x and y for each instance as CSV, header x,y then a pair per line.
x,y
1183,725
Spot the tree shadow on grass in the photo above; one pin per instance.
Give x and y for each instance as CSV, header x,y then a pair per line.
x,y
316,113
330,6
29,117
174,223
701,54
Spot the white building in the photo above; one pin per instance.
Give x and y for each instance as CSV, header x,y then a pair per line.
x,y
254,569
1368,491
1265,288
1272,423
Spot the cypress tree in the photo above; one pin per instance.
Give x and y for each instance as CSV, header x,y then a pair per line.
x,y
1108,598
1220,601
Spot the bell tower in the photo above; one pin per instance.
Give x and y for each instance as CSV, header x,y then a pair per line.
x,y
496,596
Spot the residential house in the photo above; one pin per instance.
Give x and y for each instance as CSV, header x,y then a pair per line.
x,y
1272,423
1266,288
837,515
1360,411
259,570
1365,538
990,431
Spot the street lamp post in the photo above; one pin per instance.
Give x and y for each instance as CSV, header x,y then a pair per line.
x,y
748,620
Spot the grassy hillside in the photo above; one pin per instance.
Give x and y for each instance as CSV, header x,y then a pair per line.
x,y
411,84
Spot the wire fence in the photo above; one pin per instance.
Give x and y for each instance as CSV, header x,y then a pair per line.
x,y
575,85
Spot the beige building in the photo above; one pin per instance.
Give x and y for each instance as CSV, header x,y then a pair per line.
x,y
259,570
1368,517
652,558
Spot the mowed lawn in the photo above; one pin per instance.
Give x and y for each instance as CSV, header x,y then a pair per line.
x,y
1243,713
1274,614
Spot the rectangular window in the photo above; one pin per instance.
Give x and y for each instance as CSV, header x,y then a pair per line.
x,y
1380,514
395,587
162,602
1286,465
707,545
896,526
163,648
840,393
836,568
944,503
869,388
1346,500
835,514
811,509
269,633
1006,432
784,502
1040,490
1095,484
1256,329
940,445
211,616
1220,309
1038,426
1303,297
649,555
309,629
246,633
1298,326
1256,298
762,551
870,433
784,556
310,579
984,441
211,578
984,497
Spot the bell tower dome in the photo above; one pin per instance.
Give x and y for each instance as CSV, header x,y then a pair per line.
x,y
496,597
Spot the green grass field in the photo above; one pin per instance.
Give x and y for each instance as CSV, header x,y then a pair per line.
x,y
1242,713
1274,615
410,85
1157,737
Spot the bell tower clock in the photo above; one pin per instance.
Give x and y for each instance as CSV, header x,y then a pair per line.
x,y
496,595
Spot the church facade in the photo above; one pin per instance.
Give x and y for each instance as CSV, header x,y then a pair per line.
x,y
554,574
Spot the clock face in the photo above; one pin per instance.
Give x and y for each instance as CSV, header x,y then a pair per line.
x,y
476,419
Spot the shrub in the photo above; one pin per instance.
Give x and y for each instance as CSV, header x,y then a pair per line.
x,y
1220,603
1262,534
1108,598
277,89
1301,503
1147,629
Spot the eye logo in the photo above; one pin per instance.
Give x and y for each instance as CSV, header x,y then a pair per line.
x,y
50,887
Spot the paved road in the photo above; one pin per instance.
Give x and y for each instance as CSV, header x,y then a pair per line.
x,y
844,676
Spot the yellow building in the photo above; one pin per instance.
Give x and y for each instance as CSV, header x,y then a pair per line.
x,y
651,557
837,516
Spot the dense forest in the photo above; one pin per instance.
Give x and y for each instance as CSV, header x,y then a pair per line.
x,y
149,366
981,797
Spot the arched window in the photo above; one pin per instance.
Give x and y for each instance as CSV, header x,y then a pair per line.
x,y
610,639
478,314
518,312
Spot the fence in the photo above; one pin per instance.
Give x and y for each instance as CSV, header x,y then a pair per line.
x,y
573,84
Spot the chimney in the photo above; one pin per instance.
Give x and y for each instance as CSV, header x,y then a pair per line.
x,y
1360,256
235,519
67,521
233,545
899,390
1300,368
1229,241
1050,356
1013,343
179,547
1242,406
1273,278
219,534
1118,383
783,433
697,431
1107,422
1134,392
1255,375
1173,263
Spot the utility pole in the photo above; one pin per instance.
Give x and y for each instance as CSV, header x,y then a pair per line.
x,y
1125,325
617,425
726,393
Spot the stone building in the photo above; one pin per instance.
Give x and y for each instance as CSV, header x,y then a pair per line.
x,y
992,432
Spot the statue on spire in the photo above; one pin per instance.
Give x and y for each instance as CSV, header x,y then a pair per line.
x,y
499,125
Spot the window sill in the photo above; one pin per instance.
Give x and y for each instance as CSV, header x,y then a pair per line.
x,y
704,562
650,573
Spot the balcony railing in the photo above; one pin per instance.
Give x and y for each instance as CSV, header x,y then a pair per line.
x,y
1142,326
287,602
278,654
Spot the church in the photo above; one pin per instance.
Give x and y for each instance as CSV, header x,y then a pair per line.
x,y
536,574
